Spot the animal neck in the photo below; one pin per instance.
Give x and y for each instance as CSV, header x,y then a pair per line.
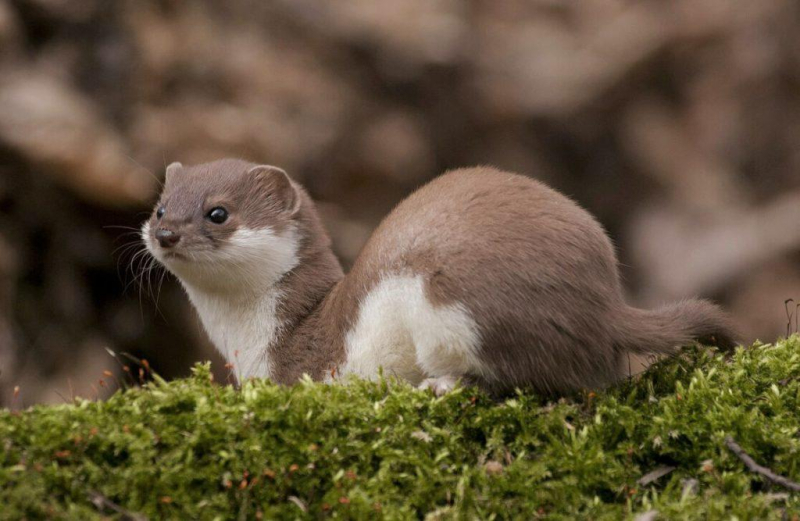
x,y
312,304
243,326
261,326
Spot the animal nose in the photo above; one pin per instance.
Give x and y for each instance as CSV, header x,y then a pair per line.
x,y
167,238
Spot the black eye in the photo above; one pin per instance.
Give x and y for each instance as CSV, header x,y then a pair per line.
x,y
160,212
217,215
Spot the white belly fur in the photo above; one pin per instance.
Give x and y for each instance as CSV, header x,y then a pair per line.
x,y
399,330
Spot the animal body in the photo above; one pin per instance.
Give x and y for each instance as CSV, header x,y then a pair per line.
x,y
482,276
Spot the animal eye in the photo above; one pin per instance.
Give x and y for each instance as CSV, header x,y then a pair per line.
x,y
160,212
217,215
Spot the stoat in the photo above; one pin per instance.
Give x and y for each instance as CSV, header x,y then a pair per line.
x,y
482,276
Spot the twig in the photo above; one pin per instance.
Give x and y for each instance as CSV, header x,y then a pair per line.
x,y
102,503
758,469
650,515
658,473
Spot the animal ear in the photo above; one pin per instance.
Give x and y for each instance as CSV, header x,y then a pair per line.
x,y
277,183
172,168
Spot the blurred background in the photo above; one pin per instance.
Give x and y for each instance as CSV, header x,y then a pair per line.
x,y
676,122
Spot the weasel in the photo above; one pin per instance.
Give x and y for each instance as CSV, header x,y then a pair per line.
x,y
482,276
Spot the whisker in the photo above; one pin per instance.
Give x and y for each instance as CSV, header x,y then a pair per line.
x,y
152,174
136,267
160,286
126,247
120,227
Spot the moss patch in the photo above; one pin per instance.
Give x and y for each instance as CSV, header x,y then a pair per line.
x,y
195,449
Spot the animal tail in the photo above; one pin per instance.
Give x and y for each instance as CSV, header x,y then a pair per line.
x,y
664,330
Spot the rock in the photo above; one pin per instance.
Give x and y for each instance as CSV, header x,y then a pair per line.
x,y
71,11
405,36
57,130
10,31
397,146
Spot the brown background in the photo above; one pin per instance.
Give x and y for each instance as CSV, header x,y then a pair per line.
x,y
676,122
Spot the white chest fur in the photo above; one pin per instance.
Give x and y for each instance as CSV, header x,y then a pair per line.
x,y
234,290
399,330
242,330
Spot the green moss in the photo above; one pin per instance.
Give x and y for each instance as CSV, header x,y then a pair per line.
x,y
194,449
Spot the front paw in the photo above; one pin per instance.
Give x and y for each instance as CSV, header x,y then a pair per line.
x,y
440,386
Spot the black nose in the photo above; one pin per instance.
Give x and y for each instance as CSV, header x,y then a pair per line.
x,y
167,238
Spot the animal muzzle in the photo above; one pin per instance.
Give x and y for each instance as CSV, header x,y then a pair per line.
x,y
167,238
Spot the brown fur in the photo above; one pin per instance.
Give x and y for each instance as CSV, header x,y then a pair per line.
x,y
257,202
536,272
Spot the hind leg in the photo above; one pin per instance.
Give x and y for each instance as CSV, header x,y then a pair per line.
x,y
444,384
440,385
446,343
400,329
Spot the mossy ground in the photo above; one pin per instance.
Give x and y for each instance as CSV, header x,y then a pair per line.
x,y
192,449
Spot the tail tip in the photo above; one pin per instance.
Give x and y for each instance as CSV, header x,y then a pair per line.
x,y
713,325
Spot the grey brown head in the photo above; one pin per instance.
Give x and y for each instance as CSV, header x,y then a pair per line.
x,y
222,217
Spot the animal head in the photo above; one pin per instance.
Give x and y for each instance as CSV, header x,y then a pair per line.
x,y
226,225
